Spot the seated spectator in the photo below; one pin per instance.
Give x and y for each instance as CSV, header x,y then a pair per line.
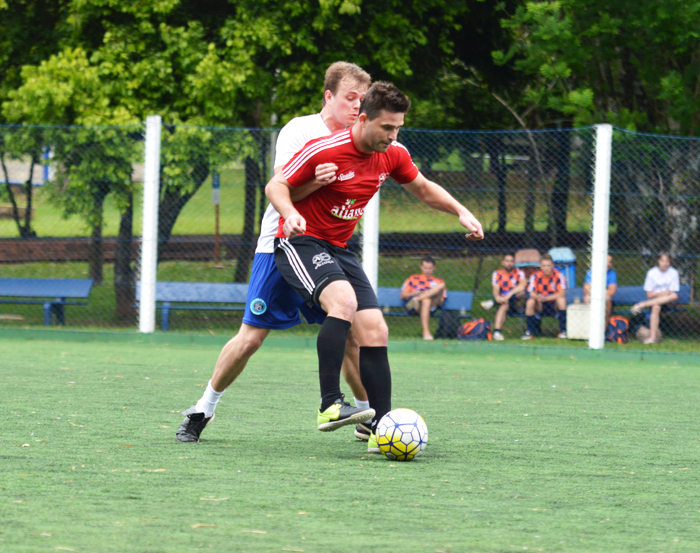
x,y
547,298
509,284
661,285
423,294
610,288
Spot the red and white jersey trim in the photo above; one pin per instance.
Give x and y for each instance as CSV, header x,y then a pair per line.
x,y
305,154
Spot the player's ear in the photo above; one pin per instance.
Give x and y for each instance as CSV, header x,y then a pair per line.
x,y
327,96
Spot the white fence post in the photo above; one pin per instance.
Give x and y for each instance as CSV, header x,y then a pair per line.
x,y
370,241
149,234
599,242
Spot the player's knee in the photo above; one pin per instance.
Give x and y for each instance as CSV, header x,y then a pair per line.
x,y
338,300
250,343
381,334
347,305
656,309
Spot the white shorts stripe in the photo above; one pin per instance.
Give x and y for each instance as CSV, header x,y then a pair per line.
x,y
297,266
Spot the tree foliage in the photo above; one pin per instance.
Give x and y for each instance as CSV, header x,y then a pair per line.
x,y
632,64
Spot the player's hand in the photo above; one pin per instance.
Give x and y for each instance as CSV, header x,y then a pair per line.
x,y
472,224
325,173
294,226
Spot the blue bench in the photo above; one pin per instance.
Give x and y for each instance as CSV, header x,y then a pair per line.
x,y
392,305
199,296
628,296
39,290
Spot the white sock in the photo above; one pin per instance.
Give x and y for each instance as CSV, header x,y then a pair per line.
x,y
208,401
361,404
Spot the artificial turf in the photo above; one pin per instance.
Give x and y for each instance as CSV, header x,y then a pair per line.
x,y
525,454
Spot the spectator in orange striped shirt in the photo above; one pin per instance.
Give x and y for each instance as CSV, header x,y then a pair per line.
x,y
423,294
508,285
547,291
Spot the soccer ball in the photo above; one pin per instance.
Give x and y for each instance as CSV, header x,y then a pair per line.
x,y
402,435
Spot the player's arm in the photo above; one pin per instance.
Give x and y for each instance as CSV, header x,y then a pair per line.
x,y
407,291
435,196
520,287
609,291
561,293
325,174
278,191
497,293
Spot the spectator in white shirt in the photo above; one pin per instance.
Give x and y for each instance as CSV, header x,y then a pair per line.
x,y
661,285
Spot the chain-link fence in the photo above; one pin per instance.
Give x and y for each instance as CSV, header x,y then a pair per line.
x,y
81,219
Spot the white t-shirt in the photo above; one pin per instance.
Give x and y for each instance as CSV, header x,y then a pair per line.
x,y
658,281
292,138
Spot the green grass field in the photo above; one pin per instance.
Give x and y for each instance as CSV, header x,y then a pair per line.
x,y
525,454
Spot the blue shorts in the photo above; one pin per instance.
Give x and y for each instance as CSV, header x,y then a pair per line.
x,y
271,302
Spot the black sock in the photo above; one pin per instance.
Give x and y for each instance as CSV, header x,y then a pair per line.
x,y
331,349
532,325
376,378
561,315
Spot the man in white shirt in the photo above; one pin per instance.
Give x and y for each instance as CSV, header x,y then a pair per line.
x,y
661,285
271,302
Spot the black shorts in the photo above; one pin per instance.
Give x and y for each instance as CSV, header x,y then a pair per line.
x,y
549,309
309,264
516,306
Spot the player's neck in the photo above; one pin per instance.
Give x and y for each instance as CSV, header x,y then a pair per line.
x,y
331,123
356,133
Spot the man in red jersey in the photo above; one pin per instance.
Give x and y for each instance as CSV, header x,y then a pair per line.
x,y
311,244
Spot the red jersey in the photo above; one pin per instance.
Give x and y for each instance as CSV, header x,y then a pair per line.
x,y
546,286
332,212
507,280
420,283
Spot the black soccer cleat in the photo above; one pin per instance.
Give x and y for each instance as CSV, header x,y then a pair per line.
x,y
363,430
192,427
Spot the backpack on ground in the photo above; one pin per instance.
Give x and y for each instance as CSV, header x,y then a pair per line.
x,y
475,330
618,330
448,325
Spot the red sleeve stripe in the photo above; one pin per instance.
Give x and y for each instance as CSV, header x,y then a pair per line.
x,y
312,149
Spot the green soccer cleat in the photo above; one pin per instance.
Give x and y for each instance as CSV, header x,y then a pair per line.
x,y
340,414
372,446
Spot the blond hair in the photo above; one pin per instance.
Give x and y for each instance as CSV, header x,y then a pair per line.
x,y
343,70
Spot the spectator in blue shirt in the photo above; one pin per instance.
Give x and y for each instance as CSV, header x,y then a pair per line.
x,y
610,288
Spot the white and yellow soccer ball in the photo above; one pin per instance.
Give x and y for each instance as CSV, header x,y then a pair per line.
x,y
401,435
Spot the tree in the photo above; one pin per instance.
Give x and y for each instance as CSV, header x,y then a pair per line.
x,y
634,65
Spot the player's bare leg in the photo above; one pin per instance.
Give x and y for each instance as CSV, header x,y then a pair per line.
x,y
235,355
428,301
500,318
425,306
351,368
232,360
669,297
351,374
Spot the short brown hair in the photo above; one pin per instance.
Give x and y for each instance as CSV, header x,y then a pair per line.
x,y
343,70
546,257
384,96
